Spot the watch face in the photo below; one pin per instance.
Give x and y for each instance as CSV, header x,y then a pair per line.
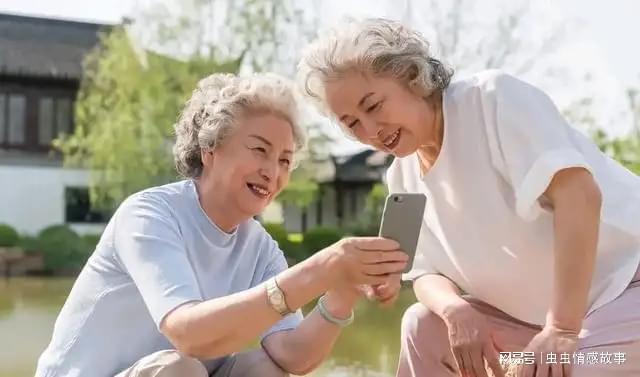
x,y
277,298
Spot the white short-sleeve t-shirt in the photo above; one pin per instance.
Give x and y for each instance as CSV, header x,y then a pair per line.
x,y
159,250
486,226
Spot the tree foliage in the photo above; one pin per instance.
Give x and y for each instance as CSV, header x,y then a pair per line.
x,y
132,91
124,115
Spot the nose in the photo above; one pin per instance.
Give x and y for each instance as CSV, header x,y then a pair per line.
x,y
371,128
269,170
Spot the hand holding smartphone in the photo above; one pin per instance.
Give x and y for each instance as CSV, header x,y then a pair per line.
x,y
401,221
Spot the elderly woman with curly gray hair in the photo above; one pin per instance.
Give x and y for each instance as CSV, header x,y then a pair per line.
x,y
530,243
184,278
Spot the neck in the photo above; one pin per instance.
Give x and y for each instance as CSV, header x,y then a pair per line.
x,y
430,149
219,210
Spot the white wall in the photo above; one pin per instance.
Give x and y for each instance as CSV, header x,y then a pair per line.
x,y
32,197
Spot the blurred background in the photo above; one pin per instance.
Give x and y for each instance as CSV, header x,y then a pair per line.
x,y
89,91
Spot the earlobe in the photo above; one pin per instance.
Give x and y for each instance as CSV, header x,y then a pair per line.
x,y
206,155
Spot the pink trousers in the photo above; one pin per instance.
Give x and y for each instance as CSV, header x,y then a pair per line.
x,y
609,343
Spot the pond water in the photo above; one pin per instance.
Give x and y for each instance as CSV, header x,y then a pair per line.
x,y
29,306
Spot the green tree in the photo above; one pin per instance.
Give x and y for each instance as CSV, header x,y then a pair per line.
x,y
130,96
625,149
124,113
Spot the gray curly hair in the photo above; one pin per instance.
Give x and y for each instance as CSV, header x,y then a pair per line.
x,y
373,46
216,105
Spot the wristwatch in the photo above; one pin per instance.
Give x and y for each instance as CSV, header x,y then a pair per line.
x,y
275,297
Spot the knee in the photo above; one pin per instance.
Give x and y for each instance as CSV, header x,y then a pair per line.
x,y
418,322
266,367
255,363
171,363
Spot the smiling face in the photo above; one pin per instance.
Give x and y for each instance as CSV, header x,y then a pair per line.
x,y
381,112
252,165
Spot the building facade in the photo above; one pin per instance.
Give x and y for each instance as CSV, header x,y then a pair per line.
x,y
40,71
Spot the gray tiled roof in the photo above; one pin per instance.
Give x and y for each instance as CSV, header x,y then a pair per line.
x,y
42,47
365,166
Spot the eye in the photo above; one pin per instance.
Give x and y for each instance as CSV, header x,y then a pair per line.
x,y
260,150
373,107
286,162
353,124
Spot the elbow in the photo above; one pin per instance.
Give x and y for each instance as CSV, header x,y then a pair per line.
x,y
191,347
186,338
179,337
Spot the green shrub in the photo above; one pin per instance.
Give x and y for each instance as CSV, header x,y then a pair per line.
x,y
277,231
362,230
29,244
8,236
318,238
292,250
62,248
90,241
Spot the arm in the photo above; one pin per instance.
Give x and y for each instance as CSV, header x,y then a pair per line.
x,y
576,202
439,294
301,350
223,325
219,326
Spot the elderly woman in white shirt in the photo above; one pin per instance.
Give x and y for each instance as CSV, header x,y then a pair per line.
x,y
531,237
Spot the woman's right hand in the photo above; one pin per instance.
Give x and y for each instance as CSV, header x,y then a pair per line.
x,y
471,341
364,260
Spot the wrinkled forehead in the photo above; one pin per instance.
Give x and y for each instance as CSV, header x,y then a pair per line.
x,y
344,94
271,125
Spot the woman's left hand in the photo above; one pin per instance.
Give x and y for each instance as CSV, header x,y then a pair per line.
x,y
549,346
386,293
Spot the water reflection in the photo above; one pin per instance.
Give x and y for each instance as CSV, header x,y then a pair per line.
x,y
29,306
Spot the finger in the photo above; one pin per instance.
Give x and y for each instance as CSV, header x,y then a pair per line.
x,y
467,361
393,284
389,301
457,355
477,364
385,290
567,370
373,243
384,269
527,370
493,360
378,256
556,370
386,295
368,291
542,368
371,280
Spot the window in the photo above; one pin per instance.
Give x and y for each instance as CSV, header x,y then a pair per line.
x,y
78,207
54,118
12,118
45,121
3,117
63,116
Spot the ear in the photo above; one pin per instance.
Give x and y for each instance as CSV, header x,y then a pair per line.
x,y
207,156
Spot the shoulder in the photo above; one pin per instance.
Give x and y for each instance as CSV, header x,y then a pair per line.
x,y
169,196
485,82
164,203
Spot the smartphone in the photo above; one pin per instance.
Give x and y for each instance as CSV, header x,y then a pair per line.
x,y
401,221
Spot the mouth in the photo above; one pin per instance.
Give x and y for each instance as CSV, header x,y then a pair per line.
x,y
392,140
259,190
